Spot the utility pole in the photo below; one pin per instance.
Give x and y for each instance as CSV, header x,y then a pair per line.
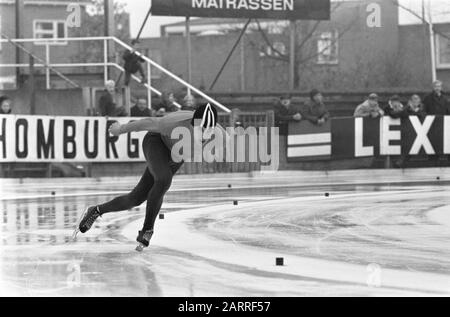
x,y
108,8
432,40
242,64
19,11
189,52
109,28
292,55
32,87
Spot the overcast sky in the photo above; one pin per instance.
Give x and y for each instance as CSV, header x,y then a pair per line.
x,y
139,8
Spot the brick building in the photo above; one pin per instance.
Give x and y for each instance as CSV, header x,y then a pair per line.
x,y
51,19
343,54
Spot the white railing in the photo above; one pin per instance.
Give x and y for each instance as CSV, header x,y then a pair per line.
x,y
105,63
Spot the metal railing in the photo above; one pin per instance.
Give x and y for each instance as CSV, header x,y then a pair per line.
x,y
105,63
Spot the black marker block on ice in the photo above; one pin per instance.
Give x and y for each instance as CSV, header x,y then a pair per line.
x,y
279,262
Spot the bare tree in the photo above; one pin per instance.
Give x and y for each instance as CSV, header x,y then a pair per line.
x,y
305,48
92,25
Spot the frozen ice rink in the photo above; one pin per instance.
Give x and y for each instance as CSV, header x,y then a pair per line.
x,y
376,233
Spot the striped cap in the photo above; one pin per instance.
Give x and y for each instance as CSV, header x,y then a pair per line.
x,y
208,116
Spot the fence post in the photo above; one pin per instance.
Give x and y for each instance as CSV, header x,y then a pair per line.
x,y
105,60
47,65
388,162
32,87
127,96
149,82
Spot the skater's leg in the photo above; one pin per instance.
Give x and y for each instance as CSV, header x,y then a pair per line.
x,y
162,169
162,180
133,199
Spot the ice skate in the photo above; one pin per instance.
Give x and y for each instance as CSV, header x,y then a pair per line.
x,y
86,221
144,238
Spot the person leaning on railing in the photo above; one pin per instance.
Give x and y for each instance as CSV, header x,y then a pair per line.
x,y
315,110
133,63
286,112
369,108
167,103
395,109
140,109
415,107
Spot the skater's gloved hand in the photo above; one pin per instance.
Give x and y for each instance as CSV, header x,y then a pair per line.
x,y
114,129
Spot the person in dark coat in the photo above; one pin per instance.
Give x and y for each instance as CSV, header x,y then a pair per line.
x,y
415,107
314,109
168,102
133,63
108,103
189,103
141,109
395,109
437,103
5,105
286,112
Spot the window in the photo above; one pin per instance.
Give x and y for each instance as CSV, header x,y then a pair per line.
x,y
50,29
443,51
278,48
327,48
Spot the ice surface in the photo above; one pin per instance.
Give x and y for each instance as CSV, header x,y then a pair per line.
x,y
379,233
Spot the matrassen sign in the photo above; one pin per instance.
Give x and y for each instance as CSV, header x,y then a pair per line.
x,y
262,9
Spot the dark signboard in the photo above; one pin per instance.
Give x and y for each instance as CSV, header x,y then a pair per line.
x,y
261,9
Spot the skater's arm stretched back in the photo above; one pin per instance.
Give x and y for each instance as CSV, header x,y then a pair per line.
x,y
147,124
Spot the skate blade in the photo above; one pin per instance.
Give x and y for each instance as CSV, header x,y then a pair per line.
x,y
140,247
75,233
77,228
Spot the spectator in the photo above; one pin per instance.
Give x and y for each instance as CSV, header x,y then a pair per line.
x,y
133,63
108,104
415,107
189,103
161,112
315,110
436,103
236,118
141,109
5,105
285,112
168,102
369,108
395,108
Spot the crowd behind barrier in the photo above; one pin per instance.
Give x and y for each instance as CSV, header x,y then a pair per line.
x,y
403,140
306,128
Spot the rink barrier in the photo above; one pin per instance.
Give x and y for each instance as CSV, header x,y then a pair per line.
x,y
352,138
33,145
340,139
